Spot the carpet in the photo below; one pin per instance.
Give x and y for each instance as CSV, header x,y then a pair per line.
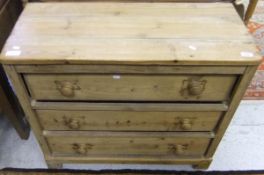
x,y
255,90
121,172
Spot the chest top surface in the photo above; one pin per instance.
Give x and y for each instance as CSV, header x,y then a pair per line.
x,y
130,33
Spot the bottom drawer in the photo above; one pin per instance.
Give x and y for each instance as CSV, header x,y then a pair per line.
x,y
126,143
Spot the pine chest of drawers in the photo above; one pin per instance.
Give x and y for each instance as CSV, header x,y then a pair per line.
x,y
129,82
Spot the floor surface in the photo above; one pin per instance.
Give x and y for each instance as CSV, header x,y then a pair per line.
x,y
242,147
256,28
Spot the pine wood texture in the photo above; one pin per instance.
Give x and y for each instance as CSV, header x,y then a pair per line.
x,y
130,82
130,87
136,144
129,33
238,94
24,99
113,106
131,159
130,69
128,120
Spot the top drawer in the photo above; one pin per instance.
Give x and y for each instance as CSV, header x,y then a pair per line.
x,y
127,87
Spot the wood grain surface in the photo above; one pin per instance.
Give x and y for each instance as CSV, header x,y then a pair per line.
x,y
125,144
129,87
129,33
128,120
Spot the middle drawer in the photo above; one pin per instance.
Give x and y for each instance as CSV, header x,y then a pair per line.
x,y
130,117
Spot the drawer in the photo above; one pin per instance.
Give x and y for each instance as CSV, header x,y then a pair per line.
x,y
128,120
109,87
126,144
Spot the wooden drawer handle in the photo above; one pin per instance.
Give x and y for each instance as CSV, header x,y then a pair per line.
x,y
72,123
193,87
180,149
196,87
177,149
81,148
67,88
186,124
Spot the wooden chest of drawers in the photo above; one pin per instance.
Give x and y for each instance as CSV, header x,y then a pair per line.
x,y
130,82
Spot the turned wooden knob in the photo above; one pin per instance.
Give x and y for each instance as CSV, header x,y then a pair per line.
x,y
186,124
196,87
67,89
82,150
79,148
73,124
180,149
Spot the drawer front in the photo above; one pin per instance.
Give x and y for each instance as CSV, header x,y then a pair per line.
x,y
129,144
129,87
128,120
